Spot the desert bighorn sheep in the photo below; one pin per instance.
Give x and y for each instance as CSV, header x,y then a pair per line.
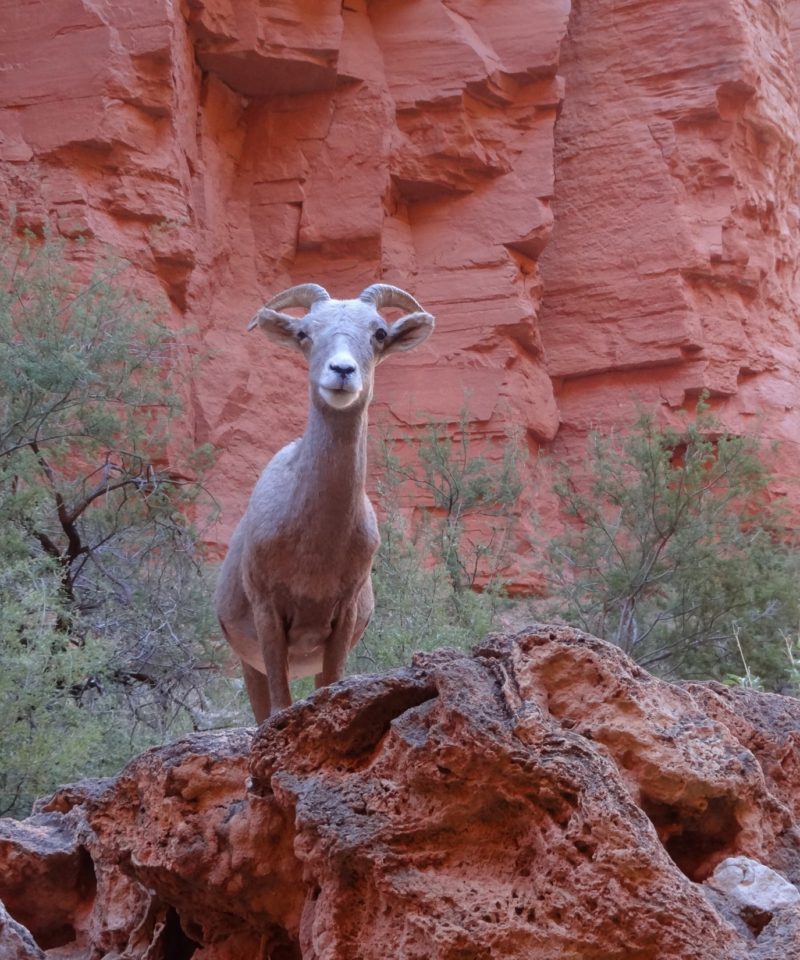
x,y
295,591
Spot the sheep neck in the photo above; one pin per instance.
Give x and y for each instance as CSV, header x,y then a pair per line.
x,y
332,462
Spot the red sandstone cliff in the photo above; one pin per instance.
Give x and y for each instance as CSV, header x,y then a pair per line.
x,y
673,265
231,149
544,798
597,199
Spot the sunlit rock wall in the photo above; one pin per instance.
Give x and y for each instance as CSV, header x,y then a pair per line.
x,y
673,265
597,200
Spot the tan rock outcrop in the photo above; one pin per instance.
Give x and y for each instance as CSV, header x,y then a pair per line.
x,y
545,797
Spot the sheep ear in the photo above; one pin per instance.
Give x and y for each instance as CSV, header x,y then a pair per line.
x,y
279,327
409,332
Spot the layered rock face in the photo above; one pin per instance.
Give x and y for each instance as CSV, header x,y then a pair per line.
x,y
230,150
672,268
596,199
544,797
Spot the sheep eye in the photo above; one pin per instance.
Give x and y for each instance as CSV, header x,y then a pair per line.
x,y
380,335
301,336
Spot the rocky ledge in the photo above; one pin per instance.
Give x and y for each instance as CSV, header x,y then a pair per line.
x,y
541,798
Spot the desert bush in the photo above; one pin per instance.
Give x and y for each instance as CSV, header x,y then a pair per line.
x,y
447,517
103,583
673,550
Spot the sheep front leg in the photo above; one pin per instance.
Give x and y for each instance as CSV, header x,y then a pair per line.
x,y
257,690
274,646
337,647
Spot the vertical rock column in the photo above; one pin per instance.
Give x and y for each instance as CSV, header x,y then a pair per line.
x,y
672,268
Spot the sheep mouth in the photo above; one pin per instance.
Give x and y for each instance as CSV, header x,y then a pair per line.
x,y
340,396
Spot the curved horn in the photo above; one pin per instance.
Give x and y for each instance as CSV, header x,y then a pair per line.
x,y
303,295
384,295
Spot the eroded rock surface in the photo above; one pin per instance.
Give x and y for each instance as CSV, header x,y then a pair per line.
x,y
753,891
544,797
16,942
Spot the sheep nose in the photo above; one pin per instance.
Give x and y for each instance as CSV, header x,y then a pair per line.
x,y
343,369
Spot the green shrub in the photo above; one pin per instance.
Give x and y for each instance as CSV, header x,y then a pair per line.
x,y
673,551
447,516
102,580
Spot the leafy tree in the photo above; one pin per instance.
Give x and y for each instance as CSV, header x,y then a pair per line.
x,y
673,551
102,580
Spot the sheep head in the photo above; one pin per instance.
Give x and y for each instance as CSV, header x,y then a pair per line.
x,y
344,340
